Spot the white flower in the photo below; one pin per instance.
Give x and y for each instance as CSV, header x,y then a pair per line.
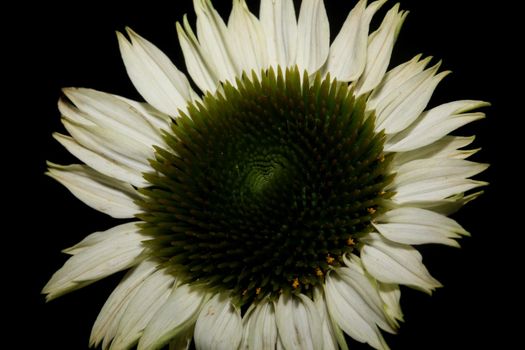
x,y
276,207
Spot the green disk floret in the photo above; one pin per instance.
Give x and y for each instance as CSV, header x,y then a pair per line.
x,y
265,186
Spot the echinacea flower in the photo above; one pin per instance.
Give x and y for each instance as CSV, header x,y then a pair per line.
x,y
278,205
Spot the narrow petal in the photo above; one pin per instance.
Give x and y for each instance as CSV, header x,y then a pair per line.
x,y
380,46
219,325
435,124
298,322
262,332
333,337
149,298
419,226
182,341
447,206
280,28
216,41
448,147
434,179
350,312
347,58
248,38
120,249
178,313
198,64
313,36
155,77
105,327
103,165
391,262
98,191
391,295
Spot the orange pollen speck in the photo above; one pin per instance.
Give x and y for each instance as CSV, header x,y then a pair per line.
x,y
371,210
258,291
381,158
295,283
329,259
350,241
319,272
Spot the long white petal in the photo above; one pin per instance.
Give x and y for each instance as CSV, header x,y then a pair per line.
x,y
105,327
391,262
120,249
98,191
332,336
100,163
216,41
262,332
154,75
347,58
447,206
219,325
342,300
434,124
298,322
280,28
391,295
248,38
419,226
380,46
178,313
434,179
201,69
150,297
313,36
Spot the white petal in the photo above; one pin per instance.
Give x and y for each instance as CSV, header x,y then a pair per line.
x,y
347,58
201,69
120,249
391,295
182,341
447,147
298,322
434,124
280,28
419,226
100,192
248,38
380,46
246,322
333,337
219,325
216,41
391,262
178,313
350,312
262,332
400,108
446,206
102,164
154,75
105,327
434,179
149,298
313,36
159,120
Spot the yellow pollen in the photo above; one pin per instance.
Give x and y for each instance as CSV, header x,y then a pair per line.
x,y
350,241
258,291
318,272
382,193
381,158
371,210
295,283
329,259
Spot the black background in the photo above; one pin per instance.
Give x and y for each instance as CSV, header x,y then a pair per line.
x,y
52,46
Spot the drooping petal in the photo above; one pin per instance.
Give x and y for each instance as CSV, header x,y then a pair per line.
x,y
100,192
419,226
219,325
216,41
248,38
380,46
333,337
391,262
105,327
280,29
351,312
178,313
347,58
298,322
313,36
434,179
391,295
149,298
435,124
120,249
155,77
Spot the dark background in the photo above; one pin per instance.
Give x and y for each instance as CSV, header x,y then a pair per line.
x,y
52,46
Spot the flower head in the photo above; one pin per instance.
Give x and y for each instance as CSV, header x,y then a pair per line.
x,y
277,206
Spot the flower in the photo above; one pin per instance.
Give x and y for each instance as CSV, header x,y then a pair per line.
x,y
278,206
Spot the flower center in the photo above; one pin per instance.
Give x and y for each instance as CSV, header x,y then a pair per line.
x,y
265,186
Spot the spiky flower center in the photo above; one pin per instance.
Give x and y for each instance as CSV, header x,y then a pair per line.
x,y
264,186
